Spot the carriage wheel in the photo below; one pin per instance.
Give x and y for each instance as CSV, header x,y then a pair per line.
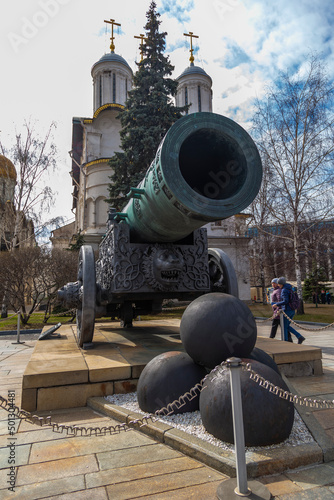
x,y
87,282
223,277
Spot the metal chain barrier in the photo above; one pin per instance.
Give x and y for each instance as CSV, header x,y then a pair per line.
x,y
306,329
267,319
11,316
75,430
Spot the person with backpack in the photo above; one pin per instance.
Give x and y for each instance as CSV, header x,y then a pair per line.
x,y
276,297
288,304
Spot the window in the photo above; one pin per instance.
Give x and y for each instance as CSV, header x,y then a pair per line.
x,y
113,87
199,98
100,91
186,97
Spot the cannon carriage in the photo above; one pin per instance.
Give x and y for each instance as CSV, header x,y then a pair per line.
x,y
207,168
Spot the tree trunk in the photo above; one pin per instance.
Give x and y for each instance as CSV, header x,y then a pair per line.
x,y
298,274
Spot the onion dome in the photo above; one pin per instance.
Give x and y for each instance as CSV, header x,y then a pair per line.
x,y
111,58
7,169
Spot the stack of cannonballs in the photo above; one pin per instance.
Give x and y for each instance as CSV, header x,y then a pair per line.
x,y
215,327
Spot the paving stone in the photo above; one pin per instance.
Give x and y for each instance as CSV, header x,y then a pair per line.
x,y
146,454
312,476
47,471
21,455
325,418
40,435
140,471
207,491
4,426
68,416
45,489
95,494
66,448
314,494
280,485
161,484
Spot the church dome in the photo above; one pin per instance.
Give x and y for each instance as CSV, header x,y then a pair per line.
x,y
194,70
112,80
112,57
7,169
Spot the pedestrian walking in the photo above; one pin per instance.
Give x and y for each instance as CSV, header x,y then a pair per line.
x,y
275,297
328,297
284,303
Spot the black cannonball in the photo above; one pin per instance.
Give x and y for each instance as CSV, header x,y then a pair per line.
x,y
263,357
217,326
268,419
167,377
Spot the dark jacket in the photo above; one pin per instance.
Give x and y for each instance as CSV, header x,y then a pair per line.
x,y
285,298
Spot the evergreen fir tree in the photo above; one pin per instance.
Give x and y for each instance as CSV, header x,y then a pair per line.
x,y
148,114
313,284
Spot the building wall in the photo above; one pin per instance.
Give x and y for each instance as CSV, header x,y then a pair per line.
x,y
228,235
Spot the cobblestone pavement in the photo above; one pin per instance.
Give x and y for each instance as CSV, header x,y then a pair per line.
x,y
133,465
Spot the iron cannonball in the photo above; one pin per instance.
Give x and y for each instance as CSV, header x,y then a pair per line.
x,y
217,326
268,419
167,377
263,357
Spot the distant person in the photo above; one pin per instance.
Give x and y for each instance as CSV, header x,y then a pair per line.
x,y
328,297
275,297
284,303
323,296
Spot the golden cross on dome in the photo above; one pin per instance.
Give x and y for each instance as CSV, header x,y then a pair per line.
x,y
142,38
112,38
191,35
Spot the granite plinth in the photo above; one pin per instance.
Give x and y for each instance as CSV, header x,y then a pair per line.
x,y
61,375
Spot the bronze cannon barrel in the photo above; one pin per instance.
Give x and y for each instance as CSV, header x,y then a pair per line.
x,y
207,168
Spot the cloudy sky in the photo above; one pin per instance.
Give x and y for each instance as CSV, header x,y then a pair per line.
x,y
48,47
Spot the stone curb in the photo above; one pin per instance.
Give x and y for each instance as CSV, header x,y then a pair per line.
x,y
260,463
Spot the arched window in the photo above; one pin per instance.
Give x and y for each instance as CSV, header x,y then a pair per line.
x,y
113,87
186,97
101,211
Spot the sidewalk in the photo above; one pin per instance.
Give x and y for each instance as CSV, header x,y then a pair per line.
x,y
133,465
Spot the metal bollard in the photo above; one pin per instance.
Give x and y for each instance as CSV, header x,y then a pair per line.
x,y
281,322
234,364
18,329
230,488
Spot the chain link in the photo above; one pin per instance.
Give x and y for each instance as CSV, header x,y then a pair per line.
x,y
75,430
11,316
303,328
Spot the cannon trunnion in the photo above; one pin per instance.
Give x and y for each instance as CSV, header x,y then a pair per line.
x,y
207,168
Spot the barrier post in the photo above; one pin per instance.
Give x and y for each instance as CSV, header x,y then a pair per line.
x,y
239,487
281,322
18,329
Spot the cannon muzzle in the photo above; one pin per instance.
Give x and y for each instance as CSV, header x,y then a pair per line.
x,y
207,168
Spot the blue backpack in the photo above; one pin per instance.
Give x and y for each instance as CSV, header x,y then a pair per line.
x,y
294,300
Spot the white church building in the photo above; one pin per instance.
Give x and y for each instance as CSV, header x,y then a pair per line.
x,y
96,139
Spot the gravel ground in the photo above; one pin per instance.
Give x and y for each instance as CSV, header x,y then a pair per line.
x,y
191,423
